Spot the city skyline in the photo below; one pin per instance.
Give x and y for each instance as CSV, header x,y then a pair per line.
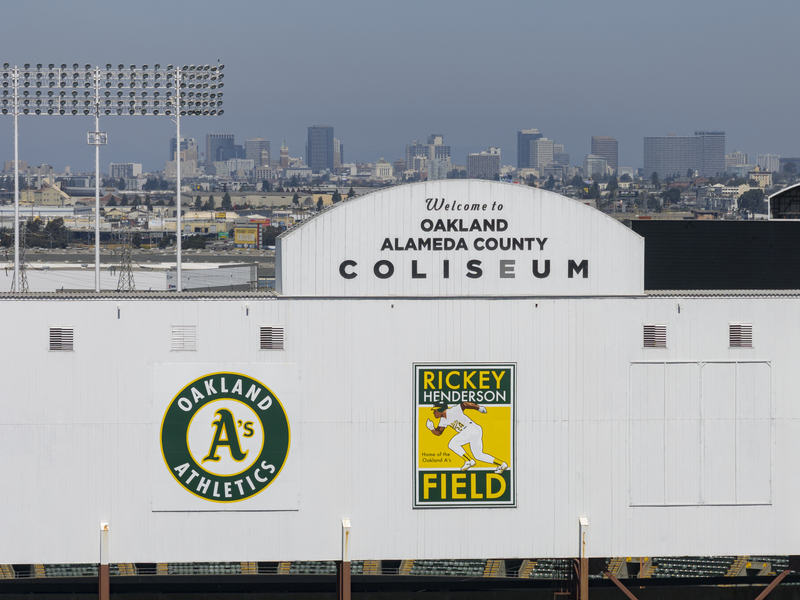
x,y
376,109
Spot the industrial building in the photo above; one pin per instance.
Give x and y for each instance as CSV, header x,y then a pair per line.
x,y
453,370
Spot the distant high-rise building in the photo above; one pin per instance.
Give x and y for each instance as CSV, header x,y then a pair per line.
x,y
561,158
541,153
187,145
284,155
124,170
524,139
769,162
319,150
438,168
8,166
253,149
736,158
418,155
220,147
558,148
671,155
594,164
338,153
236,165
674,155
437,149
413,150
607,147
399,167
712,152
484,165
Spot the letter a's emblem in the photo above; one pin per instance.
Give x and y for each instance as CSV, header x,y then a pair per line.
x,y
227,425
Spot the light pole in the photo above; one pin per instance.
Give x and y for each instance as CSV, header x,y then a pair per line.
x,y
96,138
15,76
145,91
178,222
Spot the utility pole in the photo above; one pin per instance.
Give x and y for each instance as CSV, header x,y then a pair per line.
x,y
125,283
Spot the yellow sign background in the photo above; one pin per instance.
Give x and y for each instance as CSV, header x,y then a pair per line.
x,y
496,425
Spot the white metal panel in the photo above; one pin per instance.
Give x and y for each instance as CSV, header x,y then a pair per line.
x,y
719,433
76,427
682,433
647,434
753,435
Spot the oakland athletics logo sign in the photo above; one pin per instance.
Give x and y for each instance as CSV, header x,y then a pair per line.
x,y
225,437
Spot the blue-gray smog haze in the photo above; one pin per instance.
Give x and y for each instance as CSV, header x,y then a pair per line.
x,y
383,73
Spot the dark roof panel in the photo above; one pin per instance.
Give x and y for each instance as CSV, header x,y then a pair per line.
x,y
720,255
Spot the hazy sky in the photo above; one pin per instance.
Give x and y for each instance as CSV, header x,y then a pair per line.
x,y
382,73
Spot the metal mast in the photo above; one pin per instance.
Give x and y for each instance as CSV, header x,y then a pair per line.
x,y
178,224
15,81
20,273
96,139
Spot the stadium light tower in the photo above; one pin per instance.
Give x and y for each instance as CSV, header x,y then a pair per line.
x,y
143,91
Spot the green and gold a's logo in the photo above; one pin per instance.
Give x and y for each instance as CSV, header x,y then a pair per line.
x,y
225,437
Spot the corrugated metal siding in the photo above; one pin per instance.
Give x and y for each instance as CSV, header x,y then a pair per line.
x,y
78,439
232,277
75,278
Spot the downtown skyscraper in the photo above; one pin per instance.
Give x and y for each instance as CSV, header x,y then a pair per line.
x,y
319,148
524,139
607,147
221,147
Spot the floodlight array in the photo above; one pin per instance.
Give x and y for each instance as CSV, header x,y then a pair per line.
x,y
124,90
63,90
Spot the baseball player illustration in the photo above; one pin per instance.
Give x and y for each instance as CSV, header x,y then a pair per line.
x,y
468,432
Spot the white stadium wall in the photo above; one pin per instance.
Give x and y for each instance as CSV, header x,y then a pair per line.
x,y
681,450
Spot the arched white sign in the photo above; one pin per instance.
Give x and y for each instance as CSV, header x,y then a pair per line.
x,y
460,238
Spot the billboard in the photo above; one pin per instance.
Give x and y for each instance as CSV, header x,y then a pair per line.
x,y
464,443
246,237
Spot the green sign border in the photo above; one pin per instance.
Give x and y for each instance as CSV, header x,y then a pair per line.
x,y
418,471
174,432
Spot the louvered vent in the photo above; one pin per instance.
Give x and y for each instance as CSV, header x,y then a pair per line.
x,y
184,337
272,338
61,339
740,335
655,336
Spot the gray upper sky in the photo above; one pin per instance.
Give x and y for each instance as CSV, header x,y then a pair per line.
x,y
382,73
